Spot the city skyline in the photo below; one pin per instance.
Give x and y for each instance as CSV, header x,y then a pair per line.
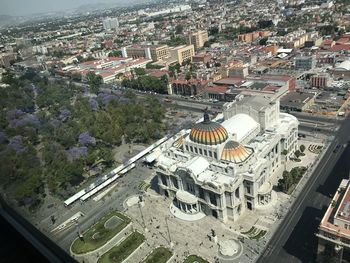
x,y
20,8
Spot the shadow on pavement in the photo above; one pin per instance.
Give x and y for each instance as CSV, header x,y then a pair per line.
x,y
154,184
302,243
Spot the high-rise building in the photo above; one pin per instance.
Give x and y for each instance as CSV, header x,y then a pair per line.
x,y
197,39
110,23
334,229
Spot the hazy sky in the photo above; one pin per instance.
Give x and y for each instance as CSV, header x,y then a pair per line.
x,y
25,7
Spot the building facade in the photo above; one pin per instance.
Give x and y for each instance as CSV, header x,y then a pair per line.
x,y
7,58
182,53
334,229
221,168
110,23
154,52
197,39
320,81
305,62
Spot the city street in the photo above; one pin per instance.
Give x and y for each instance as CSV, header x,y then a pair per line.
x,y
127,186
294,240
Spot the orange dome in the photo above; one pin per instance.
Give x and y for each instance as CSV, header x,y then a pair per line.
x,y
235,152
208,133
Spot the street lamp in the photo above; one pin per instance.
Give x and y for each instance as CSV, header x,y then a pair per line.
x,y
167,227
142,217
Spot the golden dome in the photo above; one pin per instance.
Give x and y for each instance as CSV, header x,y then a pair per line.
x,y
235,152
208,132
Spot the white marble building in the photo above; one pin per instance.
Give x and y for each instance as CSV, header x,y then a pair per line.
x,y
220,168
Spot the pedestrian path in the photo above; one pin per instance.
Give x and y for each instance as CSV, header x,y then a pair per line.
x,y
140,253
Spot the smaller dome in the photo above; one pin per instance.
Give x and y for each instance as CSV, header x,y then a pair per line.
x,y
179,142
235,152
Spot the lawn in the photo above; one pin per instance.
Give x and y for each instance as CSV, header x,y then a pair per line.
x,y
158,255
97,235
119,253
194,258
259,235
254,233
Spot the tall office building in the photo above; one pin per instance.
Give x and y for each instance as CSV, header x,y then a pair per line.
x,y
197,39
110,23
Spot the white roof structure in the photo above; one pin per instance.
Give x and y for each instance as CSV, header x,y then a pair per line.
x,y
186,197
197,165
284,50
153,156
345,65
242,125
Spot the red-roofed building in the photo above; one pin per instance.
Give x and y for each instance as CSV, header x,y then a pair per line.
x,y
328,43
201,58
108,43
230,81
336,48
156,73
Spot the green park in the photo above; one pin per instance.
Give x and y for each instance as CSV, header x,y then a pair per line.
x,y
158,255
194,259
120,252
100,233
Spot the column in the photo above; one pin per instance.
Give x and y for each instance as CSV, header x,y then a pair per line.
x,y
218,201
206,196
183,207
168,181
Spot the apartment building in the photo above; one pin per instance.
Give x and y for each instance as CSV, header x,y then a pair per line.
x,y
197,39
182,53
154,52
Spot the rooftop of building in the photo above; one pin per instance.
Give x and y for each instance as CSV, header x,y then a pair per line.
x,y
339,208
296,99
147,46
343,211
218,89
229,81
256,102
271,77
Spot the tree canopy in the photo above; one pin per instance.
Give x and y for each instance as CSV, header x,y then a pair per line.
x,y
51,135
94,81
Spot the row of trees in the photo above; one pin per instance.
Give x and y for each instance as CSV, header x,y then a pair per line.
x,y
290,179
147,83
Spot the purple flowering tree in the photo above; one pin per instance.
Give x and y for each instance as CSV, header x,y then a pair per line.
x,y
64,114
107,98
85,139
93,104
76,153
16,144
